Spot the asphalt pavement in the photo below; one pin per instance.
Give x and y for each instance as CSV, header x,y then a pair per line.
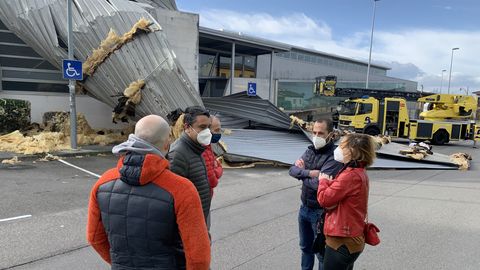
x,y
429,219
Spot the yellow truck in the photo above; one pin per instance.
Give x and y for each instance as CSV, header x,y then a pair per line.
x,y
443,118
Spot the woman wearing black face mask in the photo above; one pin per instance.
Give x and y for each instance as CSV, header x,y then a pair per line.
x,y
214,167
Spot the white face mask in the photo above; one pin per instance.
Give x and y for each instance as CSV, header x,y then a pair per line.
x,y
204,137
318,142
338,154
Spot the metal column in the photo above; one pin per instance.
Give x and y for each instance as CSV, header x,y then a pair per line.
x,y
243,66
71,83
270,84
232,68
1,78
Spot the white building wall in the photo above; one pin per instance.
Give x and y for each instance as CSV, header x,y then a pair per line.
x,y
241,85
290,69
181,29
98,114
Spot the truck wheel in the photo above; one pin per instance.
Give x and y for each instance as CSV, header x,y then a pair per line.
x,y
440,137
374,131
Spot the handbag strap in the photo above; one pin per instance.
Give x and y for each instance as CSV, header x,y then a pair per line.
x,y
366,207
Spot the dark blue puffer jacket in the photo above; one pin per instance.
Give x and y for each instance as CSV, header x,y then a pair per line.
x,y
322,160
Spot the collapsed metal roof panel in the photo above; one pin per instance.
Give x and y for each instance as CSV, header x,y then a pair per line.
x,y
283,147
166,4
392,151
254,109
245,145
148,57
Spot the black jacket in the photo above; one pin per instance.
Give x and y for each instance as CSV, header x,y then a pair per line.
x,y
186,159
322,160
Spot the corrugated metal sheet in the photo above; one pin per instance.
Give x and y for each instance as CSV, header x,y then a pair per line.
x,y
166,4
282,147
41,23
392,151
285,147
254,109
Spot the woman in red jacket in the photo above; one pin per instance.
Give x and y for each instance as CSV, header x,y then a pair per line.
x,y
345,199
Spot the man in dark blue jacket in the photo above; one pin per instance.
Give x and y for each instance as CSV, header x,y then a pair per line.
x,y
317,160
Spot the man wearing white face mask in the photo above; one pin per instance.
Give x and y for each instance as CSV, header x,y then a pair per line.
x,y
185,154
317,159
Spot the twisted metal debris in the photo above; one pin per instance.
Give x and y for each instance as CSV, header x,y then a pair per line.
x,y
42,24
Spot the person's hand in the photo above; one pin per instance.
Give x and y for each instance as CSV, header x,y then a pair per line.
x,y
314,173
300,163
325,176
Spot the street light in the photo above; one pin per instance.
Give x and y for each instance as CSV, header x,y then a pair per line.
x,y
451,64
441,83
464,89
371,42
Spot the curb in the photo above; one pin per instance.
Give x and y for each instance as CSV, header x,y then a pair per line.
x,y
68,153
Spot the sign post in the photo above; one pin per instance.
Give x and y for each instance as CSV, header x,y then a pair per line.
x,y
252,89
72,73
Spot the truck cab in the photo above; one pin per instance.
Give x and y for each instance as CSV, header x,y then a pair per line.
x,y
372,116
360,115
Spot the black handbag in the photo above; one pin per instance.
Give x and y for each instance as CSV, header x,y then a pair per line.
x,y
319,242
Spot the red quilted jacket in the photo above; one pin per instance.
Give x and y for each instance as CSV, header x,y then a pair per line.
x,y
214,168
346,197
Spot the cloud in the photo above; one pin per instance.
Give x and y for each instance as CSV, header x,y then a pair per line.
x,y
413,54
402,70
447,8
264,24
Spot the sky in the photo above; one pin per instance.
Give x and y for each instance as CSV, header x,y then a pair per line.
x,y
413,37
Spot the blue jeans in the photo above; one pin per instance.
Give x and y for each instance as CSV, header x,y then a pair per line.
x,y
307,225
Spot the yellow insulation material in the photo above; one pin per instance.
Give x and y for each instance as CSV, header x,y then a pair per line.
x,y
49,157
11,161
133,96
112,43
303,124
462,160
107,46
143,24
56,136
133,93
41,143
177,128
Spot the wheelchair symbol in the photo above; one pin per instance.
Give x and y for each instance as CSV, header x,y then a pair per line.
x,y
70,71
252,91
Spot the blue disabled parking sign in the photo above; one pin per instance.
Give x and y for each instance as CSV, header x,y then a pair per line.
x,y
252,89
72,70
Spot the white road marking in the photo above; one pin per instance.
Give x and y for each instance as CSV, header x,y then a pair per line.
x,y
78,168
14,218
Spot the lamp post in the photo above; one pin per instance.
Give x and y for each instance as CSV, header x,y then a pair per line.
x,y
371,42
441,83
451,64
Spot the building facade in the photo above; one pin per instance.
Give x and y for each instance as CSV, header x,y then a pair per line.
x,y
284,74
